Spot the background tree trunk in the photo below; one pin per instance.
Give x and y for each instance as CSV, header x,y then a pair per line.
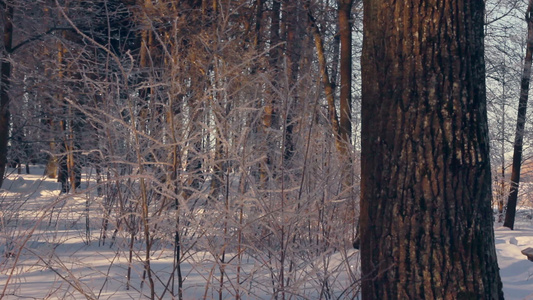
x,y
5,74
520,124
426,216
345,99
293,54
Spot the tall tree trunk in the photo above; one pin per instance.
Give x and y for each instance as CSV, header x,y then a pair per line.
x,y
342,127
257,27
62,172
293,50
324,74
5,83
345,114
271,108
74,158
502,183
345,100
51,168
426,216
62,161
220,110
520,123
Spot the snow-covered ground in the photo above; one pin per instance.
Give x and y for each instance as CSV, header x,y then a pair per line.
x,y
47,253
516,271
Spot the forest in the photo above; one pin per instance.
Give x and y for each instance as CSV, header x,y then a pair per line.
x,y
215,149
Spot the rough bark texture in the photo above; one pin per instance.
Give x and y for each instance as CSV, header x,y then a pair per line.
x,y
426,217
520,123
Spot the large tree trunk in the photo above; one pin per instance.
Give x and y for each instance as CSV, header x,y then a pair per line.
x,y
520,123
5,74
426,217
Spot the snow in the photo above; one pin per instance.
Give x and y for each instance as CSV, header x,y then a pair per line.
x,y
516,271
46,254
